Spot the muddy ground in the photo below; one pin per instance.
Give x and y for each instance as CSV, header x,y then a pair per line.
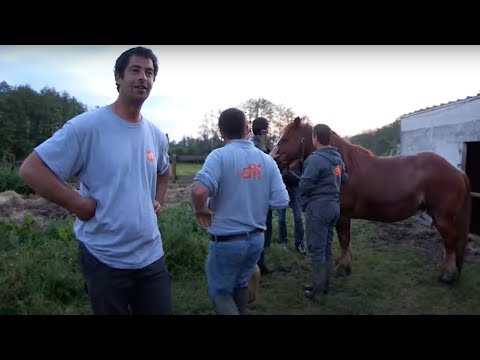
x,y
14,206
409,232
413,234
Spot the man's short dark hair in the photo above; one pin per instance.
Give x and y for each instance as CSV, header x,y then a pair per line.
x,y
232,123
258,125
323,133
122,61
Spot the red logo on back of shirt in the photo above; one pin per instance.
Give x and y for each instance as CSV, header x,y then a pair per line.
x,y
149,155
251,171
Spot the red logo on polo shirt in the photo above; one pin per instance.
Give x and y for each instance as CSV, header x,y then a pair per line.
x,y
149,155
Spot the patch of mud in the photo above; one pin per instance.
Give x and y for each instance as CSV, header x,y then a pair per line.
x,y
14,207
179,192
411,233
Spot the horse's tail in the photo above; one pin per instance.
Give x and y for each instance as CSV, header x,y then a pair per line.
x,y
462,224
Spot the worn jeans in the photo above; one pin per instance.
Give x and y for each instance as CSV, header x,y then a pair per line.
x,y
297,218
145,291
230,264
321,217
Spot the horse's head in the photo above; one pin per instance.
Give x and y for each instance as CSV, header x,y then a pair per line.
x,y
295,144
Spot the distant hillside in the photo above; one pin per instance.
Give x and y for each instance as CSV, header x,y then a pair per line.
x,y
383,141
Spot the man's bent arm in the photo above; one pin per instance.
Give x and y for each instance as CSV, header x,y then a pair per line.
x,y
44,182
199,195
162,185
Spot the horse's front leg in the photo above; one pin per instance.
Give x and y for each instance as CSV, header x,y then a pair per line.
x,y
344,266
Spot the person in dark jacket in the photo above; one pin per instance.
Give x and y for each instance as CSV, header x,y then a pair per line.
x,y
259,139
291,179
319,188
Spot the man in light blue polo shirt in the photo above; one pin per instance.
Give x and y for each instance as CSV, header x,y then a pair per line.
x,y
122,162
243,183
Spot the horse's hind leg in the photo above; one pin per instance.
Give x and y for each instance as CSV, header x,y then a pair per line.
x,y
446,228
344,266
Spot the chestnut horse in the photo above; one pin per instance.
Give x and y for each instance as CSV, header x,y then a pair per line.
x,y
390,189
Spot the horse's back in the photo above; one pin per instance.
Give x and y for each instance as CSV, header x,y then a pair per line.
x,y
395,187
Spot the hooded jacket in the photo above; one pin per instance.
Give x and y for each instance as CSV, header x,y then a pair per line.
x,y
323,174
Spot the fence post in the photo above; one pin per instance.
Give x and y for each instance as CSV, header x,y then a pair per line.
x,y
174,167
11,160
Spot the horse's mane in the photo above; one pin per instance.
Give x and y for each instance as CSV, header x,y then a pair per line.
x,y
292,125
345,145
348,146
350,152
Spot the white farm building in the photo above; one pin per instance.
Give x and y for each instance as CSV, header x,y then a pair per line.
x,y
451,130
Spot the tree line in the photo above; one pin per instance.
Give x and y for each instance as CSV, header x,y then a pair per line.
x,y
28,118
384,141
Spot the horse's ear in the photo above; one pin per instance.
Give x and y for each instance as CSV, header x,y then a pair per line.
x,y
297,121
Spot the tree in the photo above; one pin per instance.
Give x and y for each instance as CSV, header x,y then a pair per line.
x,y
384,141
254,108
29,117
278,115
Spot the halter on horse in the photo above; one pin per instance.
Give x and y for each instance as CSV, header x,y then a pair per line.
x,y
287,167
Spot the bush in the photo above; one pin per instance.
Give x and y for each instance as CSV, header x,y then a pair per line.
x,y
10,180
184,242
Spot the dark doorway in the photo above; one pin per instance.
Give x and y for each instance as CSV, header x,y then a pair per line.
x,y
471,156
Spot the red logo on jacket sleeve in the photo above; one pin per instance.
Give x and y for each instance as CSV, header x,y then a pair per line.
x,y
337,170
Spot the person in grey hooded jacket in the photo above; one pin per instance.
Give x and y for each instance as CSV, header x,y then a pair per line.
x,y
319,194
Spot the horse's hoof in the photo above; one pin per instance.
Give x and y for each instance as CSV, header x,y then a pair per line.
x,y
348,270
341,271
448,278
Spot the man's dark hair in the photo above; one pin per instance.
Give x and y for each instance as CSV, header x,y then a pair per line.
x,y
323,133
122,61
232,123
258,125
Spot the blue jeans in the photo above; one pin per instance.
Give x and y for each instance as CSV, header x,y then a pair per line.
x,y
230,264
297,218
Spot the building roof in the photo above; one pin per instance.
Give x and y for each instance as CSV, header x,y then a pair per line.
x,y
448,104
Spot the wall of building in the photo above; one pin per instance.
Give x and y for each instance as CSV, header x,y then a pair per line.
x,y
442,130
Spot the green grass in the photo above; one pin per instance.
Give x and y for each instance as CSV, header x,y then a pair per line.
x,y
187,169
39,274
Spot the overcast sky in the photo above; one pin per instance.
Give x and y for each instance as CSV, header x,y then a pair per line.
x,y
350,88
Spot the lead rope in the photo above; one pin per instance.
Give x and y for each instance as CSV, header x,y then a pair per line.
x,y
301,160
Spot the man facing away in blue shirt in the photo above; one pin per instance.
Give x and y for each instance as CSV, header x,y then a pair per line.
x,y
241,184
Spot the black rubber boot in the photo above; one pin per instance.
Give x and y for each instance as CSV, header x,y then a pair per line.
x,y
261,264
319,275
327,282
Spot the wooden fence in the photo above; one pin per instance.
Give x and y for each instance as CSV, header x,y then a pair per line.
x,y
183,158
9,160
